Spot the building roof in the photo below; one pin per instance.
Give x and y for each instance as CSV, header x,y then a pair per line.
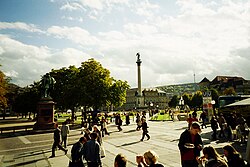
x,y
204,80
225,79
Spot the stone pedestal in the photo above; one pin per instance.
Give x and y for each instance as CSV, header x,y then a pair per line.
x,y
45,114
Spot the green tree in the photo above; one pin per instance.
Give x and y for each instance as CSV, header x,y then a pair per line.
x,y
196,100
173,102
229,91
26,100
97,83
117,93
187,99
65,91
215,97
3,92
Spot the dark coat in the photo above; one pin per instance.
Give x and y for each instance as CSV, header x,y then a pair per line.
x,y
77,151
186,138
57,132
144,126
235,160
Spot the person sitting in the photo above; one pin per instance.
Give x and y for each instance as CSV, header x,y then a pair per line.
x,y
149,159
211,158
120,161
233,157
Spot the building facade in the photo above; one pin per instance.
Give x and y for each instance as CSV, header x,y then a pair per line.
x,y
152,99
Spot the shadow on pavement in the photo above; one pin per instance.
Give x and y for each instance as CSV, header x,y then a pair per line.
x,y
127,144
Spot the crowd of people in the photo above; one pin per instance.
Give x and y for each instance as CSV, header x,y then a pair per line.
x,y
90,148
191,145
231,127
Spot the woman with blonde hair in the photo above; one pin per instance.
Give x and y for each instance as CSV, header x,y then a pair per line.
x,y
149,159
212,158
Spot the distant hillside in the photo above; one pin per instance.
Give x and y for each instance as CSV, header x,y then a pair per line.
x,y
179,89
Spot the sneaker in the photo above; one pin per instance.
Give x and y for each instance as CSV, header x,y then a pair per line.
x,y
66,152
141,140
52,156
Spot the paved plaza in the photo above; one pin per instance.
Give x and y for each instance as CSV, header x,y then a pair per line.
x,y
164,140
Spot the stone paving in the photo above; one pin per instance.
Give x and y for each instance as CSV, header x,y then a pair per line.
x,y
164,139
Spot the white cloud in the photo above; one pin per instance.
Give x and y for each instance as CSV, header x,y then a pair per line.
x,y
26,63
208,38
95,4
72,6
75,34
20,26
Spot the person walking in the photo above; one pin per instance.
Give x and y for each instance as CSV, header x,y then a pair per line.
x,y
119,122
127,119
98,132
190,145
144,130
77,152
64,133
104,127
222,122
203,118
92,152
57,140
214,126
138,121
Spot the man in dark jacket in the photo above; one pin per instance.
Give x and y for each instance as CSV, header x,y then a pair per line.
x,y
57,141
92,152
144,129
77,152
190,145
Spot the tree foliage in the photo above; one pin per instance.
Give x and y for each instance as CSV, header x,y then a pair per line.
x,y
173,102
26,100
3,90
229,91
197,100
90,85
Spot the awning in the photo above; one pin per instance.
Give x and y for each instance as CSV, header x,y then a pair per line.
x,y
245,102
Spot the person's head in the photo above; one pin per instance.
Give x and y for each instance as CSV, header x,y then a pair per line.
x,y
120,161
150,157
93,136
195,128
56,125
229,150
82,140
210,152
95,127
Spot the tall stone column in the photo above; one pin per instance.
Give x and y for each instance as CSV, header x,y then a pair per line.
x,y
139,98
138,62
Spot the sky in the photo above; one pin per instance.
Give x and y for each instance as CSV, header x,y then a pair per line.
x,y
175,38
